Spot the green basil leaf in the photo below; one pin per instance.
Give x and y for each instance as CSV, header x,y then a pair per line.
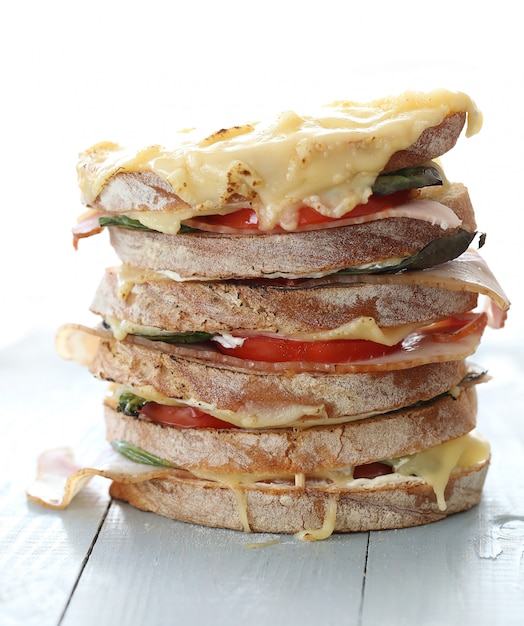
x,y
126,222
407,178
136,454
129,404
122,221
434,253
440,250
182,338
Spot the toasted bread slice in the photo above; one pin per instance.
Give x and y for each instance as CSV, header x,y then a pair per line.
x,y
265,306
294,451
142,189
398,502
200,255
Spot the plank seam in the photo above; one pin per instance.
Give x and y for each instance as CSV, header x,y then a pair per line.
x,y
84,562
363,591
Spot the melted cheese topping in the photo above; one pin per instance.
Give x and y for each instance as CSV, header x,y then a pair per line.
x,y
329,161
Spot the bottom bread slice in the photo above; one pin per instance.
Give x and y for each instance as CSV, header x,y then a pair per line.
x,y
314,511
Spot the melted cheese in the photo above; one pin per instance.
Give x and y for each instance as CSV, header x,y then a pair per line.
x,y
364,328
128,276
167,222
329,161
434,465
328,526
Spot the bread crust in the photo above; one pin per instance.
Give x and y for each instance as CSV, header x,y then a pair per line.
x,y
250,306
213,256
288,509
248,392
432,143
291,451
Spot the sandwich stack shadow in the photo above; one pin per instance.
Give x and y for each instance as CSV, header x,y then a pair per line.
x,y
287,341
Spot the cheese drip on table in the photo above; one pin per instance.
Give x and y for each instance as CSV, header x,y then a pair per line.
x,y
328,161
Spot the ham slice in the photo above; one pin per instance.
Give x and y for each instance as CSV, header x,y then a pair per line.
x,y
60,478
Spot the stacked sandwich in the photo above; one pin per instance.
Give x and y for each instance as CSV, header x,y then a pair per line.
x,y
287,338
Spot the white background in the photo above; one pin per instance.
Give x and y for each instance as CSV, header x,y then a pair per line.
x,y
75,73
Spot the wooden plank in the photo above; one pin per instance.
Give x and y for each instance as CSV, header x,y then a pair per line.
x,y
42,555
468,569
45,403
146,569
143,568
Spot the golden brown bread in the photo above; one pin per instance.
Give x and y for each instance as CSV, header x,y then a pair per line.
x,y
213,256
245,306
285,508
291,451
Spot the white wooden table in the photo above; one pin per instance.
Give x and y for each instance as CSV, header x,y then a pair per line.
x,y
103,563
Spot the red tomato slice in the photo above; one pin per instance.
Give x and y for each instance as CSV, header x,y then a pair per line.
x,y
247,218
275,350
372,470
181,416
279,350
